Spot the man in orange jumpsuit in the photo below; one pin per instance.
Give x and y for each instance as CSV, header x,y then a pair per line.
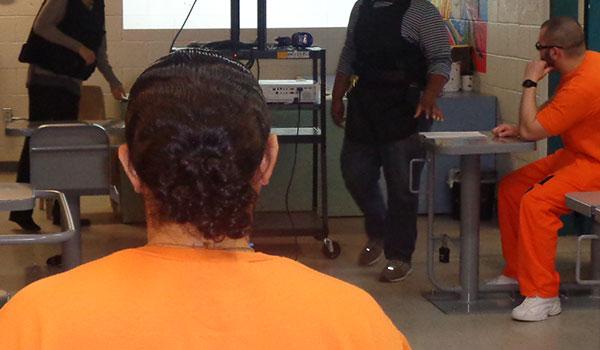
x,y
532,199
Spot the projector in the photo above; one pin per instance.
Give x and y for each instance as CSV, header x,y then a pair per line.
x,y
291,91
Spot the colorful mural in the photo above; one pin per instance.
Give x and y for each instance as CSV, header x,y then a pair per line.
x,y
466,22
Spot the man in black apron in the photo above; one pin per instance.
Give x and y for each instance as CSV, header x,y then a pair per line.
x,y
400,53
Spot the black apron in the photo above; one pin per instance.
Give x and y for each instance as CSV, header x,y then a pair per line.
x,y
392,73
80,23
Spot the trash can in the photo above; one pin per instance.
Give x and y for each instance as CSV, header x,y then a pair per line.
x,y
487,193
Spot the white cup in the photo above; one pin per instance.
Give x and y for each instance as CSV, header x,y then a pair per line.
x,y
467,83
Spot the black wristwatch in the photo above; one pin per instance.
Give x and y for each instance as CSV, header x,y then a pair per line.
x,y
528,83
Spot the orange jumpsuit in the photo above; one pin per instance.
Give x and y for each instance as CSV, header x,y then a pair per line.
x,y
159,297
532,199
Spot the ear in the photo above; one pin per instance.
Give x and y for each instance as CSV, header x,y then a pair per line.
x,y
128,167
265,170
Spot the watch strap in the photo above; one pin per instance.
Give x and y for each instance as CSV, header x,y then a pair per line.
x,y
527,83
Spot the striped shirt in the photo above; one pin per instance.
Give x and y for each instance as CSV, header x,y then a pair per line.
x,y
422,25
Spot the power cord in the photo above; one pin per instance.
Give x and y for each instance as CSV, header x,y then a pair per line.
x,y
183,25
257,69
251,60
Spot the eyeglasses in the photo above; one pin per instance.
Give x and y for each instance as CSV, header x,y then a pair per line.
x,y
539,46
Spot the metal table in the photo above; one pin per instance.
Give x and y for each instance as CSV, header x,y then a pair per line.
x,y
115,128
23,127
470,146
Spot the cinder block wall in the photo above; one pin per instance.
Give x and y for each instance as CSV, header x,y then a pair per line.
x,y
513,30
512,33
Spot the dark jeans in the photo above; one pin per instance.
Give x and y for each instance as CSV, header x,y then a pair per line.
x,y
46,103
395,222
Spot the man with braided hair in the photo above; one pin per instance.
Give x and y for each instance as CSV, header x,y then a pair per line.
x,y
198,150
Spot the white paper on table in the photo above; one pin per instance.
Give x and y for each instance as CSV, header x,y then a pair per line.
x,y
454,135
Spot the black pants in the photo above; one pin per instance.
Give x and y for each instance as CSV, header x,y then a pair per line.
x,y
382,137
46,103
395,221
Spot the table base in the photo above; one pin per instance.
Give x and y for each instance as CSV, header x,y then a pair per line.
x,y
450,303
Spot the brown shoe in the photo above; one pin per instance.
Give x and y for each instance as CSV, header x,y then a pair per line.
x,y
395,271
371,253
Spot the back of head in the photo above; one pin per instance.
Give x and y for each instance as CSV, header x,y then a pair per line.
x,y
196,128
565,32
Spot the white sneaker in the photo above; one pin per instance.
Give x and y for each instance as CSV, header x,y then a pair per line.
x,y
502,281
536,309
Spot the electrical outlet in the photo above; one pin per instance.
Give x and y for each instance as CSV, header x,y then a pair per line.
x,y
7,114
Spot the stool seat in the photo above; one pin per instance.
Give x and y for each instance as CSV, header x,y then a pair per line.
x,y
16,196
588,204
584,203
23,194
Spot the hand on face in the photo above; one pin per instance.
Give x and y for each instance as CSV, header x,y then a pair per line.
x,y
536,70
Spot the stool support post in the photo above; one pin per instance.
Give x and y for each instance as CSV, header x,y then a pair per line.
x,y
71,249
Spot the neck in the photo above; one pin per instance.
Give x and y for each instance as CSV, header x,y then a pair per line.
x,y
183,235
572,64
186,235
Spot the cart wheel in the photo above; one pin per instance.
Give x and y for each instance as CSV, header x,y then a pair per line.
x,y
331,248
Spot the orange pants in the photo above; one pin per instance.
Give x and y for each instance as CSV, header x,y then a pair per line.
x,y
530,203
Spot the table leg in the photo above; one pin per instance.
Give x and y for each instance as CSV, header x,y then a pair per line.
x,y
71,249
595,260
467,298
470,173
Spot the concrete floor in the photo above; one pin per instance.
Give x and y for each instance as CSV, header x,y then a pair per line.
x,y
423,324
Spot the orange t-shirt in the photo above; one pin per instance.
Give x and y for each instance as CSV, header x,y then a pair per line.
x,y
574,111
183,298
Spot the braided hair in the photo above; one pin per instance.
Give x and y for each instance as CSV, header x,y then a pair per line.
x,y
197,126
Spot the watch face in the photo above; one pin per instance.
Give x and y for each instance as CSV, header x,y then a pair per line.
x,y
529,83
